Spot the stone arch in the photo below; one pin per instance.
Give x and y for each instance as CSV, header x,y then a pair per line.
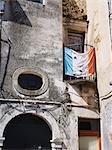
x,y
44,115
27,131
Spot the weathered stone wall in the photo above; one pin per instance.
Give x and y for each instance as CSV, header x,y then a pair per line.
x,y
74,9
106,123
36,35
99,36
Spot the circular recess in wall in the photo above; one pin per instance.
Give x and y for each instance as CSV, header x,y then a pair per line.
x,y
30,81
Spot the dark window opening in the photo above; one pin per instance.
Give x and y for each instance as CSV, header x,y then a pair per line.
x,y
28,132
76,41
84,126
92,125
37,1
30,81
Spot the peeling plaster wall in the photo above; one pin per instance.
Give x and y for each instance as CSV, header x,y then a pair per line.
x,y
36,37
78,112
66,130
106,124
99,36
38,45
37,42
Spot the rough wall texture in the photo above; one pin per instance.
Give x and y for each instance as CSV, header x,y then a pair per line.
x,y
36,36
74,9
99,35
106,124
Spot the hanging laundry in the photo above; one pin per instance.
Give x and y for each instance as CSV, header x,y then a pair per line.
x,y
79,64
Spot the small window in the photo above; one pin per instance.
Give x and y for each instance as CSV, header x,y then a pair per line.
x,y
79,58
76,41
89,133
88,124
74,33
30,81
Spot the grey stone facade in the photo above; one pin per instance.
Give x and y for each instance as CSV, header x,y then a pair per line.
x,y
36,35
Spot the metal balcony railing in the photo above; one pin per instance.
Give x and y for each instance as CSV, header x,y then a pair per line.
x,y
79,62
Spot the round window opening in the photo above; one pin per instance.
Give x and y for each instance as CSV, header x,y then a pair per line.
x,y
30,81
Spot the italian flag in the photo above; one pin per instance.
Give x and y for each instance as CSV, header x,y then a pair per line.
x,y
79,64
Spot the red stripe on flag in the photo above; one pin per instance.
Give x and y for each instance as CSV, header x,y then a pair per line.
x,y
92,62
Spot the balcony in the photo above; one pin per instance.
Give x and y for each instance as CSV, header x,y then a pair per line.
x,y
79,63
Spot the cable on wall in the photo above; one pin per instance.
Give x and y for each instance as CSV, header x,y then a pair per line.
x,y
7,62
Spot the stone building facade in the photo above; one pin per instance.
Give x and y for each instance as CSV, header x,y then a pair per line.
x,y
41,107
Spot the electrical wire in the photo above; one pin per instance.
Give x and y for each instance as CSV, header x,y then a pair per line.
x,y
6,66
7,61
81,45
106,96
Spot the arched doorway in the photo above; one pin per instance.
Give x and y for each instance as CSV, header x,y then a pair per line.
x,y
27,132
